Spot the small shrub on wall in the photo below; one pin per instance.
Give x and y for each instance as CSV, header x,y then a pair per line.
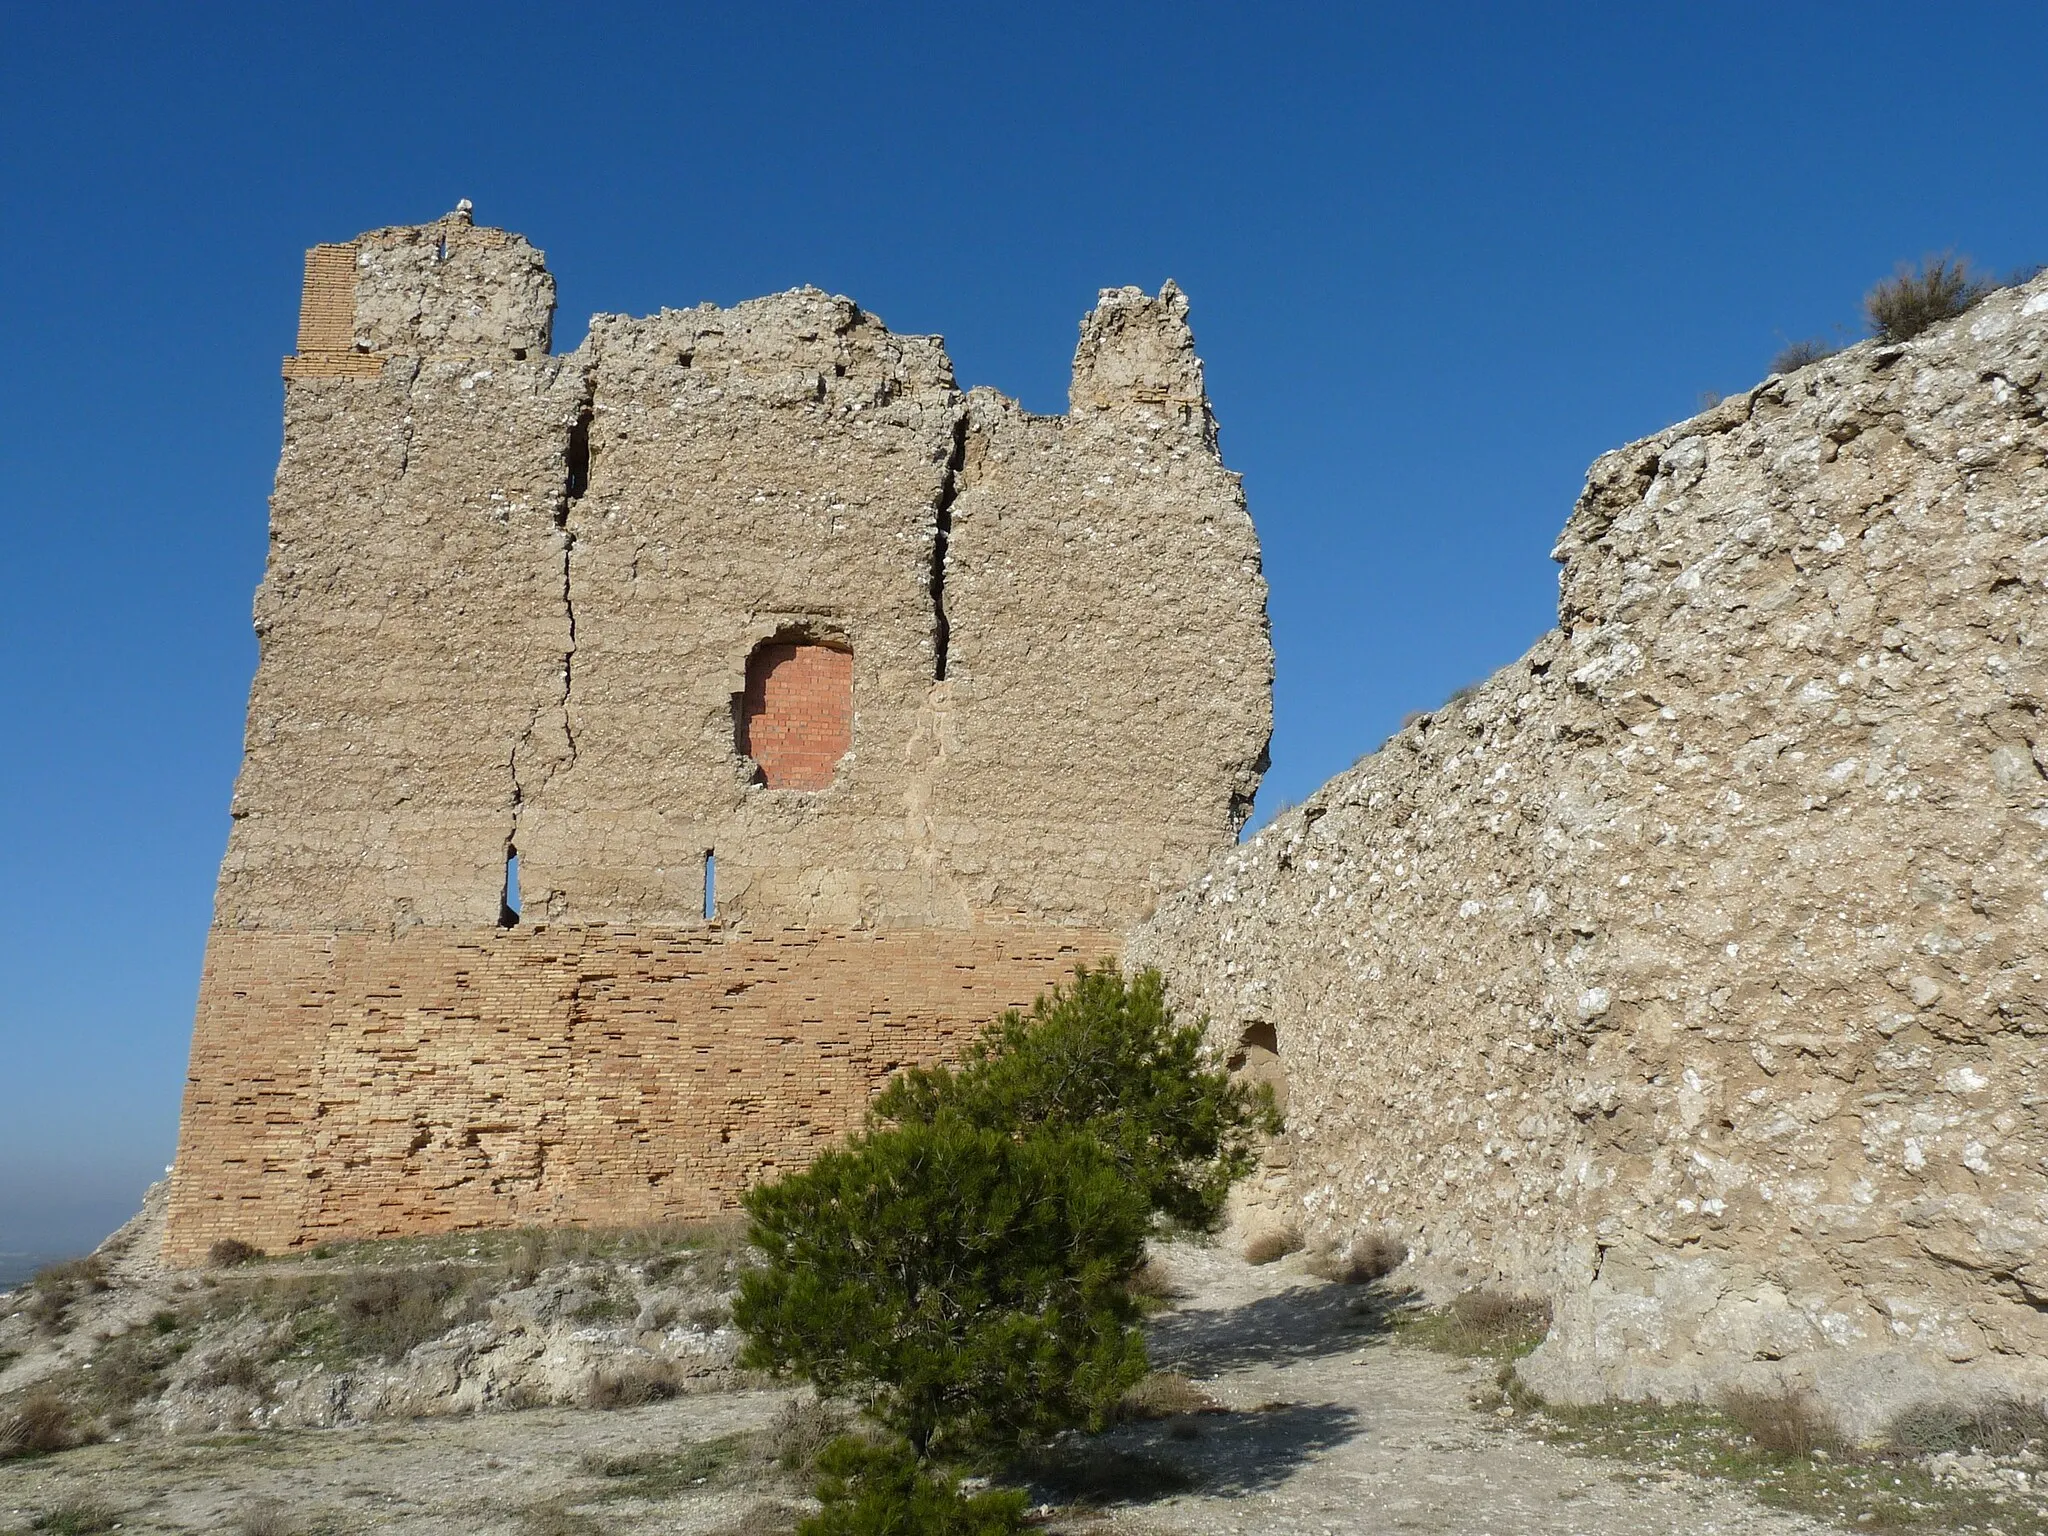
x,y
1909,301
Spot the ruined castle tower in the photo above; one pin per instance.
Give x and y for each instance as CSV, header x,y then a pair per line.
x,y
654,745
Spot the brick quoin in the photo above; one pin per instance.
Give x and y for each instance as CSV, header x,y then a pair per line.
x,y
796,717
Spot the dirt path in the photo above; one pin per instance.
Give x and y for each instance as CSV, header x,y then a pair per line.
x,y
1351,1433
1375,1436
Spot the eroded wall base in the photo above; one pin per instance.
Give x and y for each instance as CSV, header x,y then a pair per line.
x,y
356,1085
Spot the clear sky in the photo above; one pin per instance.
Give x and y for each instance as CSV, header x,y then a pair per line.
x,y
1440,257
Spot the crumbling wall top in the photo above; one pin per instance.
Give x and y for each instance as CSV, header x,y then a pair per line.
x,y
452,287
1137,350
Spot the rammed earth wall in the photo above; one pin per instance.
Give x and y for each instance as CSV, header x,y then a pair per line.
x,y
509,613
1690,970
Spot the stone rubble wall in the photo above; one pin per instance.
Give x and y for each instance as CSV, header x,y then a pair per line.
x,y
1689,970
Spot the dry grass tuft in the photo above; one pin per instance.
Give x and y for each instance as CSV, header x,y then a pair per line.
x,y
56,1289
1166,1395
38,1425
1273,1243
1481,1322
764,1517
1908,302
2003,1426
1786,1423
386,1313
1153,1286
632,1383
804,1427
1371,1256
554,1517
265,1517
86,1516
230,1252
1800,354
234,1370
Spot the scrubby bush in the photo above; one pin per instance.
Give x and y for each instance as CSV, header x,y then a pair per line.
x,y
385,1313
59,1287
1271,1244
632,1384
1909,301
86,1516
1500,1317
132,1368
265,1517
882,1490
1799,354
1789,1423
802,1430
1153,1286
37,1425
230,1252
1105,1055
1481,1322
966,1285
1371,1256
2001,1427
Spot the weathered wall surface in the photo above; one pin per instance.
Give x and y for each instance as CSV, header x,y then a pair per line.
x,y
1101,568
1690,970
365,1085
509,610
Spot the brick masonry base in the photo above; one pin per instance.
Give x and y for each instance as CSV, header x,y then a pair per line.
x,y
355,1086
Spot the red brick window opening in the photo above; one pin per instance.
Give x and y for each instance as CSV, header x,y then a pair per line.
x,y
796,716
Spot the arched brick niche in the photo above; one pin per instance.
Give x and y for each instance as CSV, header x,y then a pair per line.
x,y
796,715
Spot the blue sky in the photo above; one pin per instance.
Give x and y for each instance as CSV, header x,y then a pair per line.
x,y
1440,257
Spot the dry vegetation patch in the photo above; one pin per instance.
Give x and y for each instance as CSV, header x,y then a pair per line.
x,y
1372,1256
1166,1395
1909,301
40,1423
1273,1243
1753,1440
1483,1322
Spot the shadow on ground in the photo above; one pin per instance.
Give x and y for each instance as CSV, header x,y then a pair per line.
x,y
1305,1322
1215,1454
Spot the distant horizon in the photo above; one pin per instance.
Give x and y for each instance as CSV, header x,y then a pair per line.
x,y
1438,262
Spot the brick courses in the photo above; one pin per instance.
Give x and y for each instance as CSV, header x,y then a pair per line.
x,y
358,1085
797,718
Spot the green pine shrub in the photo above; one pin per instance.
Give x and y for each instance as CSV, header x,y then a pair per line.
x,y
1105,1055
882,1490
965,1285
970,1269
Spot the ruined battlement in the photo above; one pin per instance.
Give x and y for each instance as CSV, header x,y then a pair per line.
x,y
595,673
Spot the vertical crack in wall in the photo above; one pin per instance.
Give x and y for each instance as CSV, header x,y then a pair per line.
x,y
942,536
575,481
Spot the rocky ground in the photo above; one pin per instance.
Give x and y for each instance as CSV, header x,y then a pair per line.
x,y
370,1332
1286,1404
